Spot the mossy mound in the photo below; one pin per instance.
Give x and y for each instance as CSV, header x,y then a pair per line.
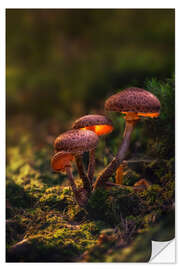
x,y
113,204
43,221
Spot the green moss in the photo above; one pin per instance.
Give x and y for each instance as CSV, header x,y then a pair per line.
x,y
131,177
111,205
139,251
14,231
55,198
58,237
117,224
97,204
17,196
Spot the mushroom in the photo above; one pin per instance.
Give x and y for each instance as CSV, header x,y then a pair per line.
x,y
60,162
120,173
77,142
99,124
134,103
143,184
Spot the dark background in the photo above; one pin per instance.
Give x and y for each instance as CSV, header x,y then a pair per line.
x,y
63,63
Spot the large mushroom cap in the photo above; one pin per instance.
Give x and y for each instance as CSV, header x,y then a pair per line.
x,y
61,160
134,100
76,141
100,124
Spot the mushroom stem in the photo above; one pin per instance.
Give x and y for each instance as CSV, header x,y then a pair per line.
x,y
73,186
71,179
82,174
114,164
91,165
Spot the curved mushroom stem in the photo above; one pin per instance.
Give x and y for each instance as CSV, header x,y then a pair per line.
x,y
91,165
114,164
82,174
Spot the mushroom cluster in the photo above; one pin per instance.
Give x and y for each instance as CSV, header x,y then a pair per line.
x,y
99,124
133,103
71,145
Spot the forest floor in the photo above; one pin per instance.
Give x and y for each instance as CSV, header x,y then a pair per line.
x,y
44,223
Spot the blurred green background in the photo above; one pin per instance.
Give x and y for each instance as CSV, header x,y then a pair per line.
x,y
63,63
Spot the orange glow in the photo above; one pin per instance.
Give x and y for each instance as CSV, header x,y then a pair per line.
x,y
92,128
133,115
103,129
59,163
152,115
100,129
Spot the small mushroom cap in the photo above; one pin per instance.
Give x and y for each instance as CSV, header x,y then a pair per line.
x,y
142,182
76,141
135,100
61,160
100,124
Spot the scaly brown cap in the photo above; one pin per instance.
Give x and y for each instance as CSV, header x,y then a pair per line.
x,y
76,141
61,160
135,100
100,124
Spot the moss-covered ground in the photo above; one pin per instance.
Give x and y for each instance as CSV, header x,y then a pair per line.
x,y
43,221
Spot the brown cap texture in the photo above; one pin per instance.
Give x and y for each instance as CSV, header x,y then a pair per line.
x,y
100,124
60,160
133,100
76,141
91,120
